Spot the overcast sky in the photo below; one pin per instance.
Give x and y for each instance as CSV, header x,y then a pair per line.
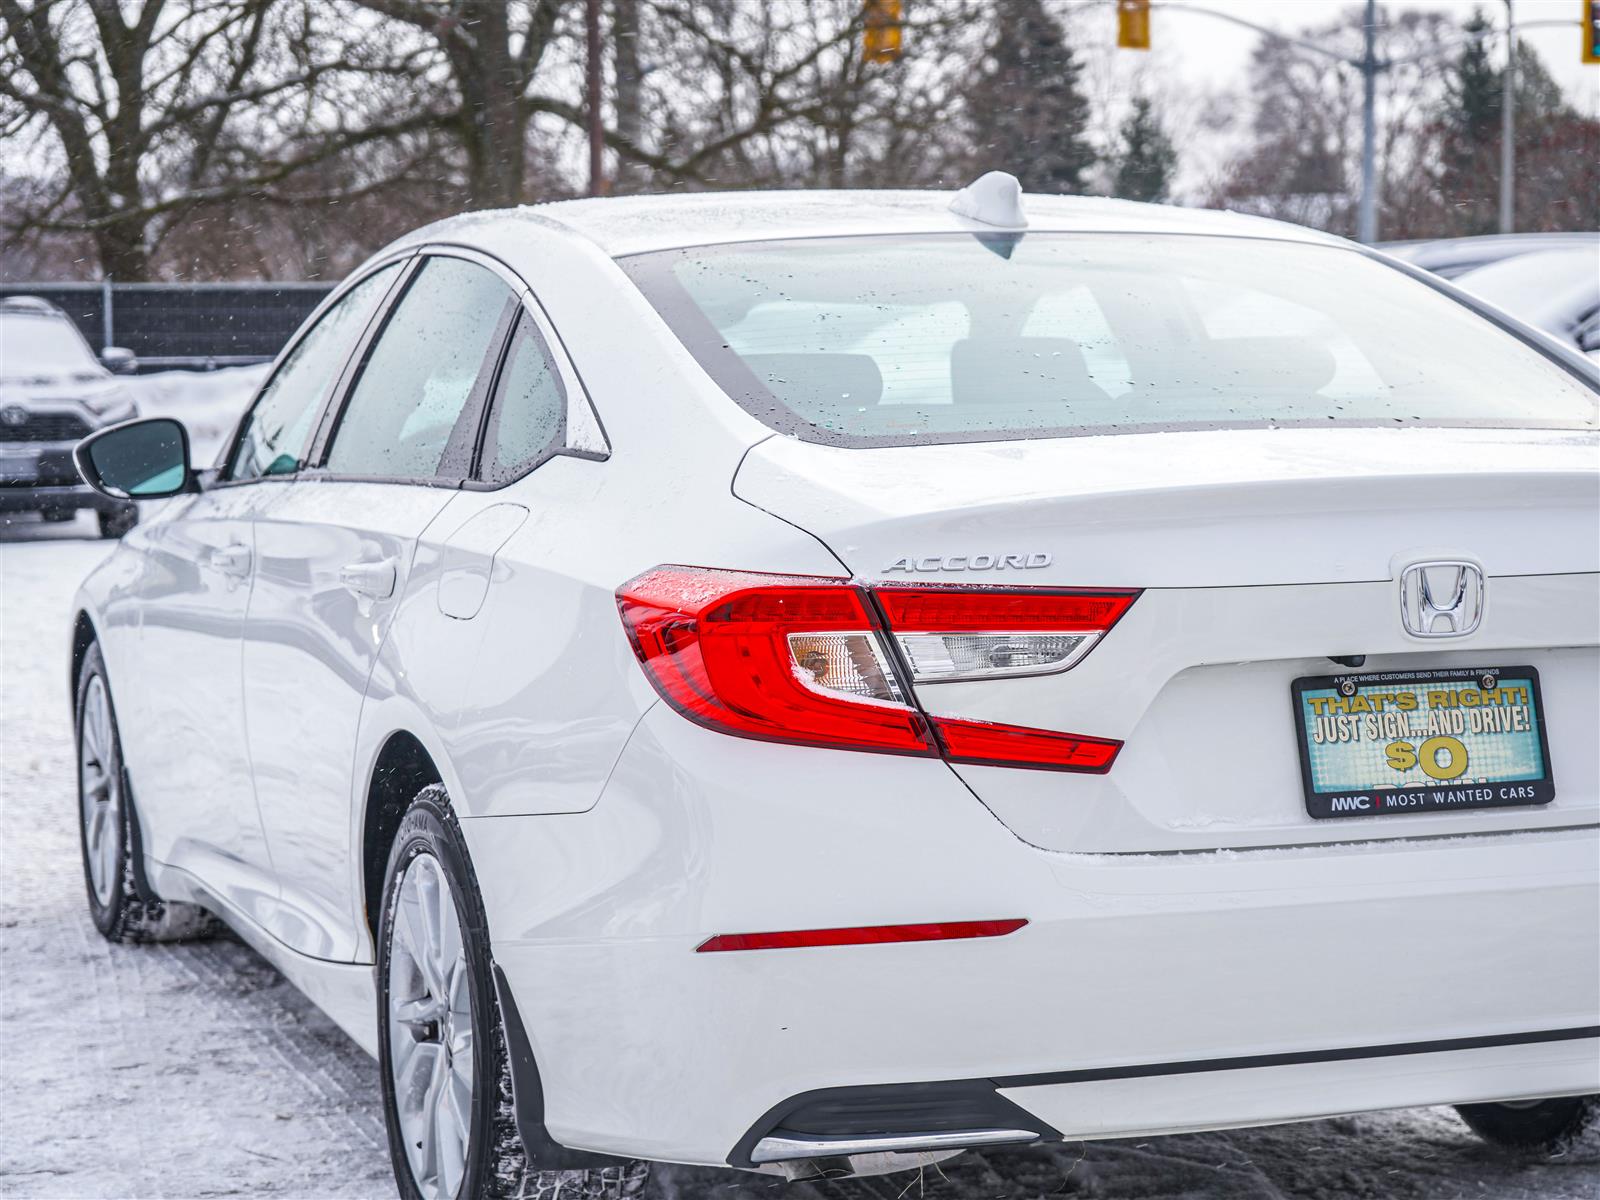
x,y
1216,51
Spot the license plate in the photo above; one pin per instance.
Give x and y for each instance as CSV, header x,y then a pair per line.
x,y
1422,741
19,467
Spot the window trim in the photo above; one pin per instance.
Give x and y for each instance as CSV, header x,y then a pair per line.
x,y
485,389
380,310
560,445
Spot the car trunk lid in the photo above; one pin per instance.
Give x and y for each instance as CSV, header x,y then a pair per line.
x,y
1264,556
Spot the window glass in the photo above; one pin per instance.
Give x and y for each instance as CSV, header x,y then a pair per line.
x,y
402,415
895,340
528,410
278,430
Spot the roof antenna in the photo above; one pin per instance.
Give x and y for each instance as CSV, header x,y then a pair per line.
x,y
992,199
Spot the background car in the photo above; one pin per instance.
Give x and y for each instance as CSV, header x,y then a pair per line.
x,y
1450,257
812,682
54,392
1555,290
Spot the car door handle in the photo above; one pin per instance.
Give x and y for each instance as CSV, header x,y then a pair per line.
x,y
232,560
371,579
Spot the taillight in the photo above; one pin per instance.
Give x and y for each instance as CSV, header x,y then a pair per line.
x,y
956,634
780,657
804,659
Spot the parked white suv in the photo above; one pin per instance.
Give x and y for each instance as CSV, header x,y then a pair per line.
x,y
53,393
817,681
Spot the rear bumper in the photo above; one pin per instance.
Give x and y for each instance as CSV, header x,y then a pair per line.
x,y
1147,993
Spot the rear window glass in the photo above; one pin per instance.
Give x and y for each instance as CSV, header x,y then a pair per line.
x,y
955,337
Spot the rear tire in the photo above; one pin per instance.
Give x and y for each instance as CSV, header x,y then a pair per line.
x,y
121,911
114,524
443,1065
1532,1126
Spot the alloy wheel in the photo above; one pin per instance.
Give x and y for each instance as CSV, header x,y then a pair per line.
x,y
100,791
431,1037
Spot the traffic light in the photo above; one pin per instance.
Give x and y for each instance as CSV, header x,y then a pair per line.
x,y
1591,31
1133,24
880,42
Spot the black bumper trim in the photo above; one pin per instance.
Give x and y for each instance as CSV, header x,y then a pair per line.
x,y
1298,1057
966,1094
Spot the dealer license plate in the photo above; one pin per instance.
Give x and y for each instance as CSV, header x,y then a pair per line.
x,y
1422,741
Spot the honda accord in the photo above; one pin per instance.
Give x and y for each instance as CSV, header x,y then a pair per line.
x,y
819,681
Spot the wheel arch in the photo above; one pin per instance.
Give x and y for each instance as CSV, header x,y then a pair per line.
x,y
402,768
84,635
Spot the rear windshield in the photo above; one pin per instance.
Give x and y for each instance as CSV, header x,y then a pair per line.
x,y
959,337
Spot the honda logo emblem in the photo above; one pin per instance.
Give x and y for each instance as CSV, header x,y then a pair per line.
x,y
1441,599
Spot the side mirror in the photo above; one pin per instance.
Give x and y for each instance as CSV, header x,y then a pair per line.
x,y
137,460
119,360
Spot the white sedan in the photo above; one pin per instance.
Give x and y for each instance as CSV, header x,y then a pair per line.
x,y
812,682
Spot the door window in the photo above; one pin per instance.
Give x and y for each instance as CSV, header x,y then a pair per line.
x,y
528,409
277,431
408,416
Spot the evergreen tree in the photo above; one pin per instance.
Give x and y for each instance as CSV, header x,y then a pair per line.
x,y
1028,114
1148,159
1472,91
1470,120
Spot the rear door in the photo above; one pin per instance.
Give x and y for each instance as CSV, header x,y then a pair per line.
x,y
334,553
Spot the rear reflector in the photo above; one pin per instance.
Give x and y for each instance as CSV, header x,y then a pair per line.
x,y
867,935
807,660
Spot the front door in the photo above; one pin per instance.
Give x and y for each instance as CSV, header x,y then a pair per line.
x,y
190,765
182,706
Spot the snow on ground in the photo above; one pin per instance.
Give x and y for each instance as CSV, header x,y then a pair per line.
x,y
195,1070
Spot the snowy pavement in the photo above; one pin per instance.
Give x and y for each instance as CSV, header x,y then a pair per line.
x,y
195,1070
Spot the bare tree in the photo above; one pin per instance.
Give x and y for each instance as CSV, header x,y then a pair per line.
x,y
491,51
148,112
1304,113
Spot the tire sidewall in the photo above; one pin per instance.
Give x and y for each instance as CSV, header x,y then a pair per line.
x,y
430,828
104,915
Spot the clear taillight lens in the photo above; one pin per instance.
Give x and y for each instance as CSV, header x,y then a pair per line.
x,y
852,663
934,657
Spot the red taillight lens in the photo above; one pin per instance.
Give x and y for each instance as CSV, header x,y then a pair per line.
x,y
802,659
779,657
934,609
982,743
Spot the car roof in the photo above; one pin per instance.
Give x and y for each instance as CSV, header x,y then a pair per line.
x,y
35,306
624,225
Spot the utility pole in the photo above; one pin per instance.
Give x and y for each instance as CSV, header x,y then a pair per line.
x,y
1367,215
1508,128
597,162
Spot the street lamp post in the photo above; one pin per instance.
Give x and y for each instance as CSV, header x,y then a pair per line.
x,y
1508,127
1367,216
